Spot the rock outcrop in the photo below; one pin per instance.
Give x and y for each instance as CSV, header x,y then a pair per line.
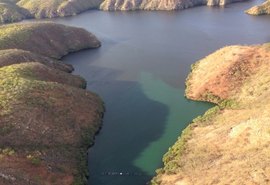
x,y
229,144
112,5
47,119
260,9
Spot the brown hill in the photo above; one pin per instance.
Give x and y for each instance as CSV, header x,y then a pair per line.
x,y
47,119
125,5
48,39
230,143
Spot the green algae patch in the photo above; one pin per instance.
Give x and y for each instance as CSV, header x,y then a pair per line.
x,y
232,135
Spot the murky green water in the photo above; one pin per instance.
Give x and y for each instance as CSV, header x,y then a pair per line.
x,y
140,72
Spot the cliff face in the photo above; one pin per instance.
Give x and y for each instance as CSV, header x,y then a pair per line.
x,y
112,5
260,9
229,144
47,119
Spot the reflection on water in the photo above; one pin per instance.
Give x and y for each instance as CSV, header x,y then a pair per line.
x,y
140,72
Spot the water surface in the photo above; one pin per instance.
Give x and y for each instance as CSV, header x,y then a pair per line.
x,y
140,72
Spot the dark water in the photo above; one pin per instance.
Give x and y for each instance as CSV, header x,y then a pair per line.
x,y
140,72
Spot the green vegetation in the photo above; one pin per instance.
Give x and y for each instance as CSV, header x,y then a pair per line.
x,y
47,39
7,151
10,12
34,159
45,115
234,133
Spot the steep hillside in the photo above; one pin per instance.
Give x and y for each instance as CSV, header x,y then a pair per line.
x,y
112,5
229,144
47,119
260,9
56,8
10,12
16,56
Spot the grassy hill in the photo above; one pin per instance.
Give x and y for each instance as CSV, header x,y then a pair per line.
x,y
229,144
47,119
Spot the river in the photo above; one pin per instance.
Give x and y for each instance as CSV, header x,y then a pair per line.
x,y
140,72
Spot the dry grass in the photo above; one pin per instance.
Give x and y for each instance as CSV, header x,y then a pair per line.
x,y
10,12
48,39
232,147
262,9
47,121
56,8
43,111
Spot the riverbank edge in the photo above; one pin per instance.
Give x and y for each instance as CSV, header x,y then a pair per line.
x,y
232,102
174,8
89,135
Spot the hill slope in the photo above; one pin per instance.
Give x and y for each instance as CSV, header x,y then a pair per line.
x,y
10,12
260,9
47,119
112,5
230,143
49,39
57,8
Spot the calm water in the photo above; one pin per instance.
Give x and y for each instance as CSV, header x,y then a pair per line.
x,y
140,72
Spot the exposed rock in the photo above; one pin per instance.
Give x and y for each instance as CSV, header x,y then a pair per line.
x,y
234,134
10,12
112,5
260,9
56,8
48,39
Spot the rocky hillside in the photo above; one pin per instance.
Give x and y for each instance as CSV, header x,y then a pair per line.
x,y
260,9
234,134
112,5
47,119
10,12
56,8
17,10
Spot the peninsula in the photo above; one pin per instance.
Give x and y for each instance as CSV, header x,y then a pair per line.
x,y
48,120
232,135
